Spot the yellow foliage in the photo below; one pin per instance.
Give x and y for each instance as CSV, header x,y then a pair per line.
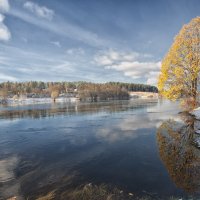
x,y
181,66
54,94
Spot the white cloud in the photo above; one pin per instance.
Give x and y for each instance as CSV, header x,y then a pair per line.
x,y
75,51
4,77
152,78
111,57
56,43
40,11
63,28
130,64
5,34
4,6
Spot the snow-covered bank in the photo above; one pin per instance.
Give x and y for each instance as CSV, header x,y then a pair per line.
x,y
26,101
196,126
196,113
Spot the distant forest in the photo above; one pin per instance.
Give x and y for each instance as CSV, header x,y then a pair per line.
x,y
82,90
39,87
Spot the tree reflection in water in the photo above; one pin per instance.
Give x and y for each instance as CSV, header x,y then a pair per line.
x,y
52,110
179,155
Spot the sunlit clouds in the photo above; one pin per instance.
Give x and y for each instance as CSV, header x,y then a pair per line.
x,y
130,64
40,11
70,41
5,34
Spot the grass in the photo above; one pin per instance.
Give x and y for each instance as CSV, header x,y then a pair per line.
x,y
101,192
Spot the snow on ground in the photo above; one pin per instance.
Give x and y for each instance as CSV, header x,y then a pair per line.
x,y
39,100
197,142
196,113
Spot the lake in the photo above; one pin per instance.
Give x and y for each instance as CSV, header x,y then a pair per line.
x,y
55,151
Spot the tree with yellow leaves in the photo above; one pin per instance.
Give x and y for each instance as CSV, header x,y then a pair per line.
x,y
180,69
55,91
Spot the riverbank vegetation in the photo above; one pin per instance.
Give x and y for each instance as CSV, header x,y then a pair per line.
x,y
100,192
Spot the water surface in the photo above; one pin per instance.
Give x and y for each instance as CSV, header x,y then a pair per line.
x,y
59,147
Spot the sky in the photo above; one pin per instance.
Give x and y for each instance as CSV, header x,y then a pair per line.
x,y
89,40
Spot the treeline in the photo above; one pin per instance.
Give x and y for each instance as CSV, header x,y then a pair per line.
x,y
133,87
40,87
82,90
96,92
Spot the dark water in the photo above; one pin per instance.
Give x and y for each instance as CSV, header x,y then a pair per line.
x,y
60,147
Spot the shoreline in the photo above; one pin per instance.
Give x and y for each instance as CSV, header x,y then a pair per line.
x,y
27,101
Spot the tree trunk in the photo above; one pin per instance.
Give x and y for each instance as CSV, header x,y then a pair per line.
x,y
194,91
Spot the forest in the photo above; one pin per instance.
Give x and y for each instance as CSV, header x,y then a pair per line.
x,y
82,90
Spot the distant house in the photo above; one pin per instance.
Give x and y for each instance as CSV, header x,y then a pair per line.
x,y
15,97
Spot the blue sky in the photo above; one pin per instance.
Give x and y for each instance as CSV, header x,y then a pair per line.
x,y
90,40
